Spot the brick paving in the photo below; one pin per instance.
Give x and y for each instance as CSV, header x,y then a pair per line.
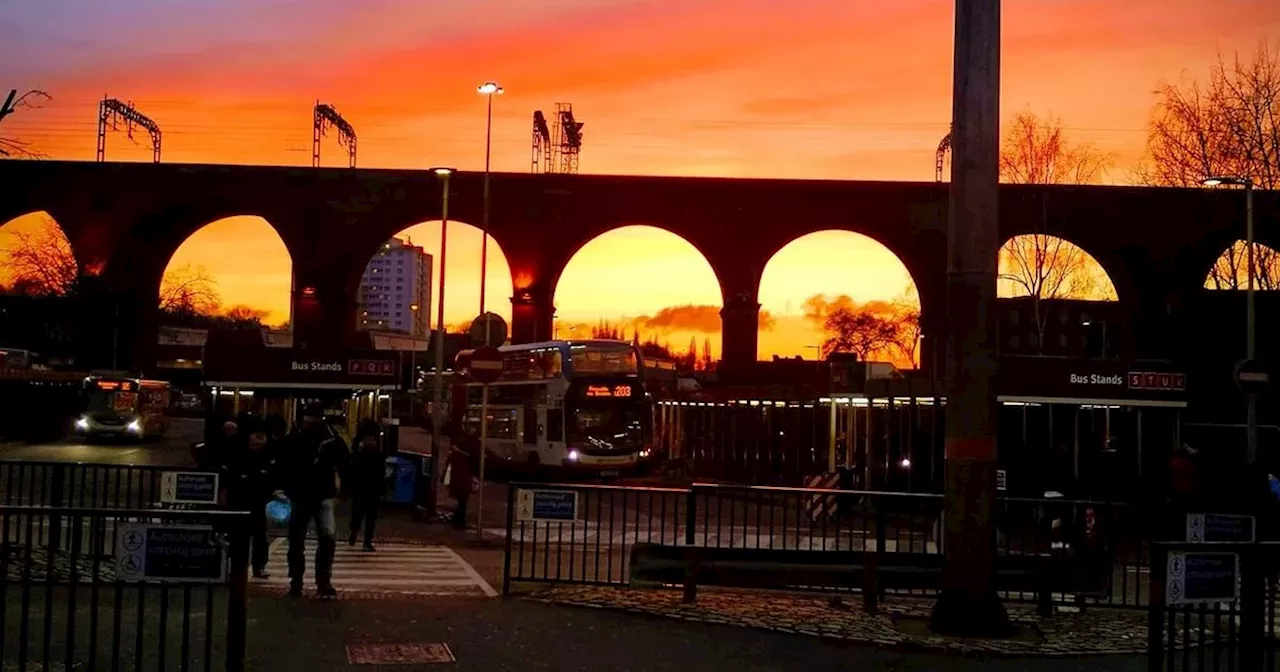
x,y
900,624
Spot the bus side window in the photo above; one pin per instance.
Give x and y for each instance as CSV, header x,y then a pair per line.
x,y
555,424
530,425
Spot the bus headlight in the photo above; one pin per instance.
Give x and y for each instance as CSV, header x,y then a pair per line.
x,y
573,456
134,426
644,453
82,423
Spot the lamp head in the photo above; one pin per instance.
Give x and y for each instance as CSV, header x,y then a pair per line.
x,y
442,171
489,88
1219,180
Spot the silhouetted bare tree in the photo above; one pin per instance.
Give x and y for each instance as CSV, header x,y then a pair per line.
x,y
41,262
12,147
1229,126
188,290
875,328
242,314
860,332
907,309
1035,151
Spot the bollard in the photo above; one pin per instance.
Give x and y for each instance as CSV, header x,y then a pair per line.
x,y
690,575
57,497
1044,597
237,607
870,582
690,516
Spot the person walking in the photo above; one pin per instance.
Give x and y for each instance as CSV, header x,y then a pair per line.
x,y
459,477
368,482
314,459
249,475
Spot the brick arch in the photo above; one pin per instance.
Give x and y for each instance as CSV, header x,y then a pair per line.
x,y
884,249
83,264
143,253
921,252
1222,253
570,252
363,247
1115,262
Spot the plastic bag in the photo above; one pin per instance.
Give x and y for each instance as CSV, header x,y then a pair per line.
x,y
279,511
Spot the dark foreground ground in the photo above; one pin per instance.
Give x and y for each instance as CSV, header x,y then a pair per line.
x,y
519,635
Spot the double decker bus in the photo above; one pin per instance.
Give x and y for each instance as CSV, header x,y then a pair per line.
x,y
129,408
580,405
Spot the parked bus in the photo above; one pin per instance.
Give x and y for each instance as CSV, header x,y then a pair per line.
x,y
581,405
128,408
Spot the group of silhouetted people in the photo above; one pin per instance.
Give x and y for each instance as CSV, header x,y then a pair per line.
x,y
259,462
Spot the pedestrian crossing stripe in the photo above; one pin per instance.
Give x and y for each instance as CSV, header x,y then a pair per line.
x,y
393,568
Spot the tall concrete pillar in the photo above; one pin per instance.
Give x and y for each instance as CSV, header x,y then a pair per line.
x,y
532,316
968,604
324,310
739,333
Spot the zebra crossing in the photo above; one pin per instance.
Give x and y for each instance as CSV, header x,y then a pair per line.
x,y
395,568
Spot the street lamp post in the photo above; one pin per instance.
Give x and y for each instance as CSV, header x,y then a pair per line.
x,y
437,392
1251,398
488,89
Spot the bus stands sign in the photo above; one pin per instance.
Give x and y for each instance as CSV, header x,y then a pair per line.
x,y
1022,377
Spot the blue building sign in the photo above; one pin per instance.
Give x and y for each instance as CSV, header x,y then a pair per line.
x,y
177,553
548,505
1200,578
189,487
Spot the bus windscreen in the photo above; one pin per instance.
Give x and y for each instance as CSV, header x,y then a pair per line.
x,y
595,362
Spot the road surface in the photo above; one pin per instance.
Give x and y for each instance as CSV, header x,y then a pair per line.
x,y
172,450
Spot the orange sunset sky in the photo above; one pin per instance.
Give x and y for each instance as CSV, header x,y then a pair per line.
x,y
845,89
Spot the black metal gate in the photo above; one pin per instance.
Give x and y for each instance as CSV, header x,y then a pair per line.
x,y
68,605
1213,607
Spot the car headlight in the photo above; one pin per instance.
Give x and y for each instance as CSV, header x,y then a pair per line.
x,y
134,426
644,453
573,456
82,423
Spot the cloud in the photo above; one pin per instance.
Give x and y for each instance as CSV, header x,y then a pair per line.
x,y
704,319
819,306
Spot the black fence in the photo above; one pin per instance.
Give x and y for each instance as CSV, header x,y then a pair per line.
x,y
1098,542
1213,607
1086,451
81,485
78,606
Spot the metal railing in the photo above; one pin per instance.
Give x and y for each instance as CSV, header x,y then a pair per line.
x,y
1192,628
1100,540
69,608
81,485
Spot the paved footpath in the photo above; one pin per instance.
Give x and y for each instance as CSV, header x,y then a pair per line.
x,y
499,634
393,569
